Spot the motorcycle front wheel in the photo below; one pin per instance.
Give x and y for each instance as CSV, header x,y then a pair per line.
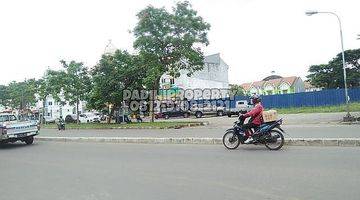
x,y
274,140
231,140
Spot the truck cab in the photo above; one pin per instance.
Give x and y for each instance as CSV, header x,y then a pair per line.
x,y
241,107
12,130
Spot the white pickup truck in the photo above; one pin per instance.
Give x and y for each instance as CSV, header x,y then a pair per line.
x,y
241,107
12,130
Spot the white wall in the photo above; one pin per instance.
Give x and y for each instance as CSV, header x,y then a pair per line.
x,y
53,110
213,75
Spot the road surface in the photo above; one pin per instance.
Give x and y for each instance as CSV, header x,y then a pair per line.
x,y
91,171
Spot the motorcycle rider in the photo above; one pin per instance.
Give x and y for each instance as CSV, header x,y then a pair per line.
x,y
61,124
255,120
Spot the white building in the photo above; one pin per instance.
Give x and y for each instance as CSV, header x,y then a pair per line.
x,y
55,109
213,75
2,108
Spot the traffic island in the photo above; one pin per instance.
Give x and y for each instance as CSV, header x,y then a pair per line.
x,y
143,125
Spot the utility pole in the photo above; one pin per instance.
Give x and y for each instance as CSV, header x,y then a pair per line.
x,y
348,116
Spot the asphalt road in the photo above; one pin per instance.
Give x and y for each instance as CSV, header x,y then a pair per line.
x,y
82,171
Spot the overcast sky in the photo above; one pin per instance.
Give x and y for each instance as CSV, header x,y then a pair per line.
x,y
253,37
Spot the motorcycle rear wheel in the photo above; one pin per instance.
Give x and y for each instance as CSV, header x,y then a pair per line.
x,y
231,140
275,140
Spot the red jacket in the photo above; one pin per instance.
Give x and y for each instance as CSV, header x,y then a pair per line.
x,y
256,114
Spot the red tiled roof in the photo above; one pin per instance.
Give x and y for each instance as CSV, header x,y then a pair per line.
x,y
246,86
276,82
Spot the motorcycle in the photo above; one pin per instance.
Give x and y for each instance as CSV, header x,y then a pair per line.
x,y
269,134
60,124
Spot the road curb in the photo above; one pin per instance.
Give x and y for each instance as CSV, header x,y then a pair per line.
x,y
342,142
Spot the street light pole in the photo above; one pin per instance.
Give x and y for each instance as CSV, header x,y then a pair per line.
x,y
309,13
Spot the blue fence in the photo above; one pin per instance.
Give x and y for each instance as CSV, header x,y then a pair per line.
x,y
318,98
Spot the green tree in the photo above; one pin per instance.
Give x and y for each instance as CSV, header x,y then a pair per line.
x,y
331,75
22,94
236,90
75,83
50,84
170,42
4,95
111,76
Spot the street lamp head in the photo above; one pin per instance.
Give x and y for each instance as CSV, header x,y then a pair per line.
x,y
309,13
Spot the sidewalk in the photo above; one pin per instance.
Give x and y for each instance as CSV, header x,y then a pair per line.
x,y
301,130
211,131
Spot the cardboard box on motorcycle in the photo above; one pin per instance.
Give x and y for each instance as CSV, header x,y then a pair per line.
x,y
270,116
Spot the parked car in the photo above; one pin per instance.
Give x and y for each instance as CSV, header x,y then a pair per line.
x,y
12,130
241,107
200,110
92,117
72,119
172,113
49,119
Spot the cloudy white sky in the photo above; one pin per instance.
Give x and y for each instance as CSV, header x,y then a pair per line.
x,y
254,37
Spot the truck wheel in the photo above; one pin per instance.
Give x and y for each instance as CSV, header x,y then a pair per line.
x,y
29,140
198,114
229,115
220,113
166,116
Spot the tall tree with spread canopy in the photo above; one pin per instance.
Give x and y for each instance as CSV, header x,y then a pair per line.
x,y
76,83
170,42
331,75
50,84
111,76
22,94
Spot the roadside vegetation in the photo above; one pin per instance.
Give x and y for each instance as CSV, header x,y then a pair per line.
x,y
144,125
354,107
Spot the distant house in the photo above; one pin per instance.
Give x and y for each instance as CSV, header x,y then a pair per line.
x,y
275,85
310,88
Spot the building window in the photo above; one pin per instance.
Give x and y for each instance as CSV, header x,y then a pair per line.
x,y
172,81
163,80
50,103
